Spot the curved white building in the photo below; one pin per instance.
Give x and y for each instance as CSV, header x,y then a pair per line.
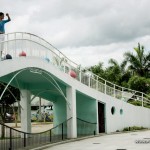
x,y
38,68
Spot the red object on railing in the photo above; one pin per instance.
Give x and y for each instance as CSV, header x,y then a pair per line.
x,y
73,74
22,54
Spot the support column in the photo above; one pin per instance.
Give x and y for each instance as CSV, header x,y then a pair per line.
x,y
40,115
25,111
71,112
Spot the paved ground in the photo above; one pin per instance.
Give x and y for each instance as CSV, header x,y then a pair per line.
x,y
123,141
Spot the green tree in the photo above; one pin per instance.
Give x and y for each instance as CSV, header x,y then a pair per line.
x,y
10,96
98,70
139,84
139,63
117,73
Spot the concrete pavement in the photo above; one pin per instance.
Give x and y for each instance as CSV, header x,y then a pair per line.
x,y
121,141
36,126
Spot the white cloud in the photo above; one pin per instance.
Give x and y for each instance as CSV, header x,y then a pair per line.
x,y
87,31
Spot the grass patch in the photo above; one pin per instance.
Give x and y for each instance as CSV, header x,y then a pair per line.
x,y
138,103
134,128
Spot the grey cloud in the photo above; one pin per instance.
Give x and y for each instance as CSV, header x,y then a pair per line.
x,y
82,23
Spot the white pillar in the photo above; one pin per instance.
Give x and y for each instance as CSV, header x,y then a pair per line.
x,y
71,113
25,111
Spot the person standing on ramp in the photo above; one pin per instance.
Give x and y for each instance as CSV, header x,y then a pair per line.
x,y
2,30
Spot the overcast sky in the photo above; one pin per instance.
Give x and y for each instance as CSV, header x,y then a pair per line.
x,y
86,31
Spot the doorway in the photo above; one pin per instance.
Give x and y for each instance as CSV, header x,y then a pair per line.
x,y
101,117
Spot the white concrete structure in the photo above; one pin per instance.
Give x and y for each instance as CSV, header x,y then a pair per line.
x,y
25,111
71,112
73,97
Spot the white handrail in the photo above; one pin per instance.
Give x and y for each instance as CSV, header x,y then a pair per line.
x,y
39,47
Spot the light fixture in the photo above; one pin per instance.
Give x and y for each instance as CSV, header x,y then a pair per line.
x,y
36,71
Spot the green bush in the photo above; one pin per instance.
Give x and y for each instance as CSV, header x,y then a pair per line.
x,y
140,84
136,103
133,128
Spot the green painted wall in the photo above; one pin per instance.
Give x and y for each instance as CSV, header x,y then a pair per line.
x,y
59,111
86,110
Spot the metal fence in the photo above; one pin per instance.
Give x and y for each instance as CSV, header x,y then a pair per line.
x,y
12,139
85,128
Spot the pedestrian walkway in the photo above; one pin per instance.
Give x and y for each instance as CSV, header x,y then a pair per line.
x,y
123,141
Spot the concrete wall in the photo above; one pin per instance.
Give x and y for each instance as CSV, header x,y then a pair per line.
x,y
131,116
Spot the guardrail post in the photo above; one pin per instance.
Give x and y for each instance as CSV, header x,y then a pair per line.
x,y
50,135
94,133
122,93
62,132
80,74
24,140
142,99
10,148
15,55
89,81
30,46
114,91
105,87
96,82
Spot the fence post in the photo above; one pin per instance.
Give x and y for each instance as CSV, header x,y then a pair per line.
x,y
10,139
142,99
105,87
89,81
80,76
62,132
94,133
24,139
122,92
114,91
50,136
97,83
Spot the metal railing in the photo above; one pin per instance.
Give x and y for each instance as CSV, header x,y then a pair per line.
x,y
35,46
85,128
12,139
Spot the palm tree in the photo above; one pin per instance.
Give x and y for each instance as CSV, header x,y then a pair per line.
x,y
139,63
116,72
98,70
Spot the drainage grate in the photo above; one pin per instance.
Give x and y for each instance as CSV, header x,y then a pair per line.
x,y
121,149
96,143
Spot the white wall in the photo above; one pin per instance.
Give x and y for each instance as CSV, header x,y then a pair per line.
x,y
132,115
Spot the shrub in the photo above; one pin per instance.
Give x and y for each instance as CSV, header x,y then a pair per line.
x,y
140,84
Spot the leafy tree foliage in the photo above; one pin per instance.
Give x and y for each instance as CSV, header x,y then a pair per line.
x,y
139,63
98,70
117,73
140,84
10,96
133,72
